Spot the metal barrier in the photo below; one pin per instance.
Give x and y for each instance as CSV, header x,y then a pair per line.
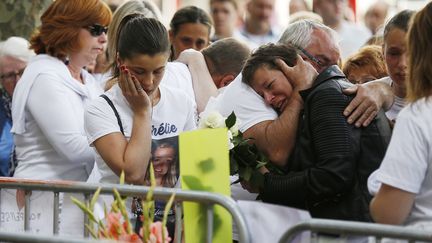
x,y
87,189
33,238
345,228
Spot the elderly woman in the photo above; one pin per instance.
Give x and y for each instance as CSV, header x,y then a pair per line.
x,y
14,55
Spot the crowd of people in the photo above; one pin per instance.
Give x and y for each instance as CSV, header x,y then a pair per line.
x,y
342,110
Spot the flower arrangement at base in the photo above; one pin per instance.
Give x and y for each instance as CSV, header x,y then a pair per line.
x,y
117,226
245,158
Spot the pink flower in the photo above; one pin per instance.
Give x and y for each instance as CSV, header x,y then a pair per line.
x,y
156,233
132,238
114,226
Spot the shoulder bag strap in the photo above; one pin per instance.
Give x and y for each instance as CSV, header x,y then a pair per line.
x,y
115,111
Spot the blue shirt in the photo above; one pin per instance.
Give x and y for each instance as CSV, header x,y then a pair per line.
x,y
6,141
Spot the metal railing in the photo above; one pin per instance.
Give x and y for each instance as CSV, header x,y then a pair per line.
x,y
26,237
87,189
350,228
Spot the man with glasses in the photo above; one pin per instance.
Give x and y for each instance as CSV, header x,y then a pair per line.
x,y
14,55
274,131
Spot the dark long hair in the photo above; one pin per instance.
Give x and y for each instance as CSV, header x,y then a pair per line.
x,y
140,35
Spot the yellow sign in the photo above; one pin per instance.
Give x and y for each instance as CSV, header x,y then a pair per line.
x,y
204,166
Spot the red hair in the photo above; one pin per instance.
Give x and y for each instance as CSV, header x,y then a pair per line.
x,y
61,23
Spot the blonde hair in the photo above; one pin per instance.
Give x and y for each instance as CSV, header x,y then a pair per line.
x,y
419,83
145,7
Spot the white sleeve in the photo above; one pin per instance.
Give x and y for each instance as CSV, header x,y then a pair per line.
x,y
373,183
406,160
99,120
247,105
192,117
54,113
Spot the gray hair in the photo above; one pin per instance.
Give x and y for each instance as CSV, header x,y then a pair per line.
x,y
16,47
299,33
145,7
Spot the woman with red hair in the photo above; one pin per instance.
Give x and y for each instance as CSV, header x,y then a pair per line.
x,y
49,100
49,104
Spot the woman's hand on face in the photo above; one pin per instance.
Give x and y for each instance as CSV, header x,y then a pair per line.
x,y
301,75
138,99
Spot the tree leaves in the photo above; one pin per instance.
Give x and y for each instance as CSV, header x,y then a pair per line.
x,y
20,18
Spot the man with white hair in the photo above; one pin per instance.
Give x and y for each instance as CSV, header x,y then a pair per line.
x,y
274,131
14,55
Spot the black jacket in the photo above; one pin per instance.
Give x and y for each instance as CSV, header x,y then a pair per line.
x,y
328,169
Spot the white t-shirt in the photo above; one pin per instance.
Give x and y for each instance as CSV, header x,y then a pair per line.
x,y
247,105
177,76
175,112
407,164
54,144
397,106
398,103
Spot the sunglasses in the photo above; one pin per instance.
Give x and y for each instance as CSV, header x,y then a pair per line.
x,y
310,56
97,29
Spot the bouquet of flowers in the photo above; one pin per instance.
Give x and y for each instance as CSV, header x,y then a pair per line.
x,y
117,225
245,158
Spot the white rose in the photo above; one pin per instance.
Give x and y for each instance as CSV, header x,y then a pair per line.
x,y
230,143
235,128
212,120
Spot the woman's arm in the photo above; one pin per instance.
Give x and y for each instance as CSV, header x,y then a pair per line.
x,y
50,104
203,84
369,99
391,205
333,168
131,156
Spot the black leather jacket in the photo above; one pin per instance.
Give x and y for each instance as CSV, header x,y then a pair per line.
x,y
328,169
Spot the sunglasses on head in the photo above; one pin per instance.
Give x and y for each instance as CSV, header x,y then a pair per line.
x,y
97,29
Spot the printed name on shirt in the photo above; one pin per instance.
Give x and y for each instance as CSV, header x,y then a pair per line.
x,y
164,128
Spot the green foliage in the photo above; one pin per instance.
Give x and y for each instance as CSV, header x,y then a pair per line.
x,y
246,159
20,17
231,120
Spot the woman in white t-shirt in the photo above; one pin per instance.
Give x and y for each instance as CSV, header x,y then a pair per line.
x,y
394,52
406,172
140,109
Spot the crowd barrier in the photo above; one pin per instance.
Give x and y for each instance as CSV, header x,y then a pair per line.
x,y
350,228
33,238
87,189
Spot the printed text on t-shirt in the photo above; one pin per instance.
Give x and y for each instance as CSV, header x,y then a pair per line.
x,y
164,128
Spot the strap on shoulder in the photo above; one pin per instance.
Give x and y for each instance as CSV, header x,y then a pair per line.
x,y
115,111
